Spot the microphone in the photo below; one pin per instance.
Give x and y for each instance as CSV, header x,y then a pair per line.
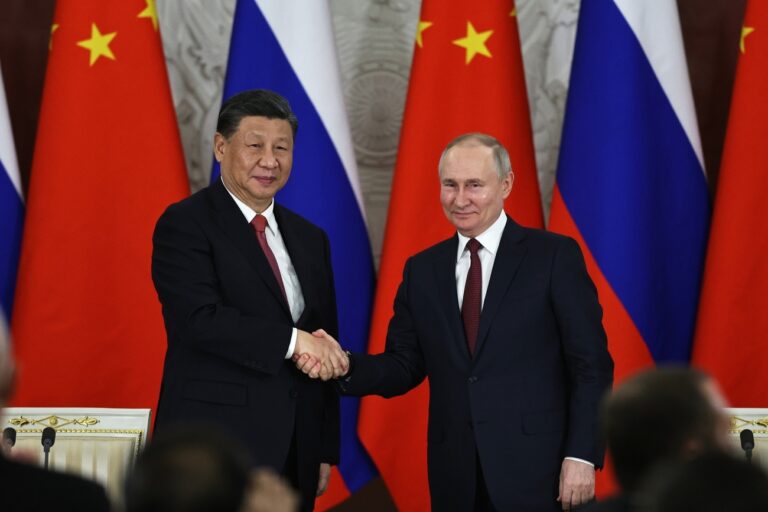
x,y
49,437
747,442
9,438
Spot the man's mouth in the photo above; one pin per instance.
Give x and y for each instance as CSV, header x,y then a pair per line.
x,y
264,180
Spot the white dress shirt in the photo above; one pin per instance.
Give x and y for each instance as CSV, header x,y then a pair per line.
x,y
489,240
287,272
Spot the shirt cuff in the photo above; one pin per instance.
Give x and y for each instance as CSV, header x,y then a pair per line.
x,y
292,345
580,460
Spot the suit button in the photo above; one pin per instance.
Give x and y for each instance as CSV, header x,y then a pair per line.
x,y
472,379
293,393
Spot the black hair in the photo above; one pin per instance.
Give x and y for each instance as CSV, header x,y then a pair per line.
x,y
254,102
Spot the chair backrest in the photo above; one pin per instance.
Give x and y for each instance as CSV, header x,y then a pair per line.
x,y
99,444
756,420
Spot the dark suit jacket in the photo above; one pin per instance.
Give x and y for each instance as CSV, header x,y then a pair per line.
x,y
528,398
229,329
27,488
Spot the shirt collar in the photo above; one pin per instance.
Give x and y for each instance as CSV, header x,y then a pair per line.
x,y
489,239
249,213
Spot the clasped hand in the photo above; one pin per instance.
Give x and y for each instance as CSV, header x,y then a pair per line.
x,y
319,355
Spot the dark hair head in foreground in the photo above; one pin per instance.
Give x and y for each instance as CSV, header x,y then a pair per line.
x,y
711,482
188,470
660,415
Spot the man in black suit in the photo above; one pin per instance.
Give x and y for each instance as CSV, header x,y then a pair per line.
x,y
506,324
243,282
31,488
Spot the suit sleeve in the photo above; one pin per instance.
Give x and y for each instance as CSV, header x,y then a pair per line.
x,y
588,364
401,367
195,313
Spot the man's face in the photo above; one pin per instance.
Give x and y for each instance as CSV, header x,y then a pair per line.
x,y
471,192
256,160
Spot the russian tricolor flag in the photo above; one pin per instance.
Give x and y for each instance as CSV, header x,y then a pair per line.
x,y
631,186
288,47
11,209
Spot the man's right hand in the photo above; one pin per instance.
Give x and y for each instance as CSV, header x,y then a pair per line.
x,y
319,355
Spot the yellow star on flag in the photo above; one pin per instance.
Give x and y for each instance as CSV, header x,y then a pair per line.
x,y
423,25
745,31
513,12
98,44
474,42
54,28
150,11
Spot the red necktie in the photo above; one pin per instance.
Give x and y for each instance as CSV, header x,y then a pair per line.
x,y
473,296
259,223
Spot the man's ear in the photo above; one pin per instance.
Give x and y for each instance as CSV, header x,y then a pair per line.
x,y
506,184
219,146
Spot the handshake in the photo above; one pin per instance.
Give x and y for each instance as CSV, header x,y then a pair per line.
x,y
320,356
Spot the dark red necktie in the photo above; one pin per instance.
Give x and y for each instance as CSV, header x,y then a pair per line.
x,y
473,296
259,223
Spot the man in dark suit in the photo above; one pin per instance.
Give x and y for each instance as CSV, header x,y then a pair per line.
x,y
243,282
506,324
31,488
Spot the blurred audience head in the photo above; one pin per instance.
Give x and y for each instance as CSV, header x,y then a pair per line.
x,y
6,363
200,469
711,482
661,415
188,470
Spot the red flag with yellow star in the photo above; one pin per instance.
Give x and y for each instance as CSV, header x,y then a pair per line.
x,y
467,76
732,323
87,324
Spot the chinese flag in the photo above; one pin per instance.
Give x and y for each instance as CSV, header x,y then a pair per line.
x,y
87,325
467,76
732,320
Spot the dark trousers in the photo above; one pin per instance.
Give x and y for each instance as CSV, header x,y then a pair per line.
x,y
291,473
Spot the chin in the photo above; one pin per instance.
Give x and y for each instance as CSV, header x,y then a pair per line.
x,y
465,229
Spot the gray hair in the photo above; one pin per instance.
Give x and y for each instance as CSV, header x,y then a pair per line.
x,y
500,154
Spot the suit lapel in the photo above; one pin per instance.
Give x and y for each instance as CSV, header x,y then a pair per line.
x,y
232,222
300,258
445,274
508,258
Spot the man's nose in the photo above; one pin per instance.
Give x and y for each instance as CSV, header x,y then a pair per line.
x,y
268,159
461,197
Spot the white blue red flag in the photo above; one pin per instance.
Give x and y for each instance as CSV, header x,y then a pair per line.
x,y
288,47
631,185
11,209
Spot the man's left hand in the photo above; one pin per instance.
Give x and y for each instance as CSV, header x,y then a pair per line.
x,y
577,484
325,474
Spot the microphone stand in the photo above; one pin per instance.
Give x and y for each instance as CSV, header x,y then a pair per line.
x,y
49,437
